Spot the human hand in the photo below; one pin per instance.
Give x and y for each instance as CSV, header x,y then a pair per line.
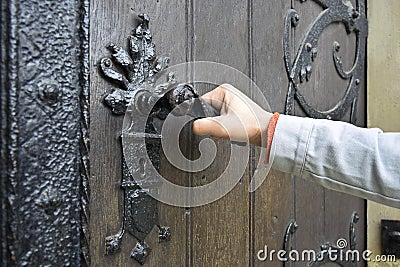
x,y
241,119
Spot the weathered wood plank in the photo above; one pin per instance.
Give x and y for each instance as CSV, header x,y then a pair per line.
x,y
220,230
113,22
273,201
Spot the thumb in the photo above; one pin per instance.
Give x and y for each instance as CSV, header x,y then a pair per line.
x,y
210,126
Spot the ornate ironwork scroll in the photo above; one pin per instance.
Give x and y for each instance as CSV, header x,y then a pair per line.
x,y
138,66
300,70
287,242
329,253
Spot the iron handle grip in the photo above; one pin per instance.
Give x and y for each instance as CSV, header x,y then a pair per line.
x,y
201,109
184,100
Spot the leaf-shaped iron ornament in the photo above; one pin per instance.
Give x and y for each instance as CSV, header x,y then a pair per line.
x,y
138,66
300,70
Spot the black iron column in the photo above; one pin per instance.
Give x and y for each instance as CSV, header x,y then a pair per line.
x,y
44,133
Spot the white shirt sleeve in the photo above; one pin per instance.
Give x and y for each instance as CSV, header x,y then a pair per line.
x,y
340,156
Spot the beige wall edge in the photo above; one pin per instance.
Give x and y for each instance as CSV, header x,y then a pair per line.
x,y
383,95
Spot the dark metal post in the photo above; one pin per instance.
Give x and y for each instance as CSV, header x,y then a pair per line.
x,y
44,113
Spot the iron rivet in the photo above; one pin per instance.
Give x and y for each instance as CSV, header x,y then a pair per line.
x,y
314,53
355,14
295,20
303,74
50,92
308,47
107,63
337,46
308,72
356,218
357,81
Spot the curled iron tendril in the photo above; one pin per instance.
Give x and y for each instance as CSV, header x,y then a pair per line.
x,y
300,69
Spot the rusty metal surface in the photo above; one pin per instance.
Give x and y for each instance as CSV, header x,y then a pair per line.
x,y
300,67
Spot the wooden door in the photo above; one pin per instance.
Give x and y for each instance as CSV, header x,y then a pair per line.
x,y
60,145
247,35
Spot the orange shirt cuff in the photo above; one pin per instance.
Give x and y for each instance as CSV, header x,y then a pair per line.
x,y
270,134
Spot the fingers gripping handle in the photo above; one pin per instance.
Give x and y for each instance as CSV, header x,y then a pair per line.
x,y
184,100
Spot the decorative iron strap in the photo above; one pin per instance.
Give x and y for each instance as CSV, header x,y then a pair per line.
x,y
84,131
300,69
140,65
44,113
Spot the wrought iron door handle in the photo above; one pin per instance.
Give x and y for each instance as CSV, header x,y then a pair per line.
x,y
144,103
196,108
139,65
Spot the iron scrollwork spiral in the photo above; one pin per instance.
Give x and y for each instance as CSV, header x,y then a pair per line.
x,y
300,70
329,253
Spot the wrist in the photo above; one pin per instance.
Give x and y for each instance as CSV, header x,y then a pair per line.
x,y
263,121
